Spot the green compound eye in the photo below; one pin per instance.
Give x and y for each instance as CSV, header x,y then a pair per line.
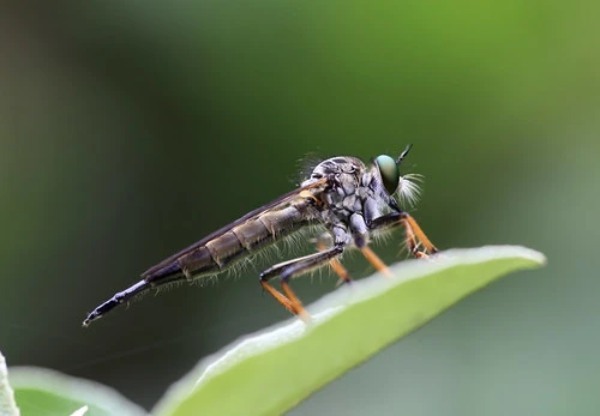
x,y
390,174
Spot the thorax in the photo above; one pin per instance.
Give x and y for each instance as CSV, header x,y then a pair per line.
x,y
350,188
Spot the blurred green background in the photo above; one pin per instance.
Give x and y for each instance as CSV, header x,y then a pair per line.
x,y
130,129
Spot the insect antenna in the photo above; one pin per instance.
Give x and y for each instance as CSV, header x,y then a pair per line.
x,y
403,154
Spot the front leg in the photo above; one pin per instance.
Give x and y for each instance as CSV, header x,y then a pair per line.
x,y
293,268
415,237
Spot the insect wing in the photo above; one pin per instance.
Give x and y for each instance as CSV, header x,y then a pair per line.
x,y
169,264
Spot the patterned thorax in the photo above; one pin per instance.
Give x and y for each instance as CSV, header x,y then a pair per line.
x,y
344,196
354,196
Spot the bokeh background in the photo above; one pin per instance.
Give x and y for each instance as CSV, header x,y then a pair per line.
x,y
130,129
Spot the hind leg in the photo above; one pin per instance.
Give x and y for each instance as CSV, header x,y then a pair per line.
x,y
292,268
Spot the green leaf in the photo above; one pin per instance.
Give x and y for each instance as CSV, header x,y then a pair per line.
x,y
42,392
270,372
8,406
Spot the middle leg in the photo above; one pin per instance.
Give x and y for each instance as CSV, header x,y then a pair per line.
x,y
360,234
324,242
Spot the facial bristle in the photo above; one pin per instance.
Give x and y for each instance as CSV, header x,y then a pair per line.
x,y
409,190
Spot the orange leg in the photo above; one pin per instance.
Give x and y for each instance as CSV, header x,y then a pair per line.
x,y
415,237
289,301
412,243
336,265
289,269
297,304
375,261
417,233
279,297
341,271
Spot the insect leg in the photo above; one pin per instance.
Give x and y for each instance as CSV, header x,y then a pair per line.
x,y
323,242
410,222
292,268
375,261
415,237
360,232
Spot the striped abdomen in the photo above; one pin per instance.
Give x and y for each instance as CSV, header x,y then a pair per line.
x,y
220,249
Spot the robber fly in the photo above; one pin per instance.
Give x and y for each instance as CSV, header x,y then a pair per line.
x,y
349,200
